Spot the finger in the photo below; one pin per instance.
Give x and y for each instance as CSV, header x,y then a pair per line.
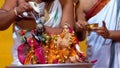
x,y
27,7
100,32
104,24
97,29
83,24
78,25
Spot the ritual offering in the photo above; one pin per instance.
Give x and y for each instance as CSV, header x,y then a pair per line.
x,y
90,26
39,47
42,48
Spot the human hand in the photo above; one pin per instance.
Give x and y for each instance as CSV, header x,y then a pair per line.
x,y
103,31
23,7
80,26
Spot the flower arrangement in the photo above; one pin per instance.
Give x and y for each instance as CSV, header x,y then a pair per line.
x,y
41,48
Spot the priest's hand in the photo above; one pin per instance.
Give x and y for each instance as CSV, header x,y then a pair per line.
x,y
80,26
103,31
23,6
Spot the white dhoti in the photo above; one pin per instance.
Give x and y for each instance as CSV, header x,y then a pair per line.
x,y
100,47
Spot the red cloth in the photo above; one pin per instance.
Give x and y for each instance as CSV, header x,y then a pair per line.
x,y
96,8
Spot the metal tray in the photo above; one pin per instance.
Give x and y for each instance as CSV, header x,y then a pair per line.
x,y
70,65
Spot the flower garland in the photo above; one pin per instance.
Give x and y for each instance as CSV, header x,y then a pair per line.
x,y
41,48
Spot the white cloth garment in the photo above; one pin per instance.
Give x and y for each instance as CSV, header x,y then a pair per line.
x,y
55,14
100,47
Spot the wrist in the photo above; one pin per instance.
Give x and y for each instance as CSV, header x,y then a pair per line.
x,y
110,35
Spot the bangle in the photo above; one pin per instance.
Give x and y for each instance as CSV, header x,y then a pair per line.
x,y
16,13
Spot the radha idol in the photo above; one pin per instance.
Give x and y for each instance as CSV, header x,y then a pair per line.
x,y
37,46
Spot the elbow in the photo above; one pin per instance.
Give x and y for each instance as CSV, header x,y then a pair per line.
x,y
2,28
4,25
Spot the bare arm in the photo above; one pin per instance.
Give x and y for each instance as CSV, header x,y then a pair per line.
x,y
68,13
82,8
115,35
67,17
7,15
81,21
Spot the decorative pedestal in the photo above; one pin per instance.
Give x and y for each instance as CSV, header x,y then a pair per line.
x,y
72,65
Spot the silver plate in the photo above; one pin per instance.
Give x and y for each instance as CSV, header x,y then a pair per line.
x,y
70,65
